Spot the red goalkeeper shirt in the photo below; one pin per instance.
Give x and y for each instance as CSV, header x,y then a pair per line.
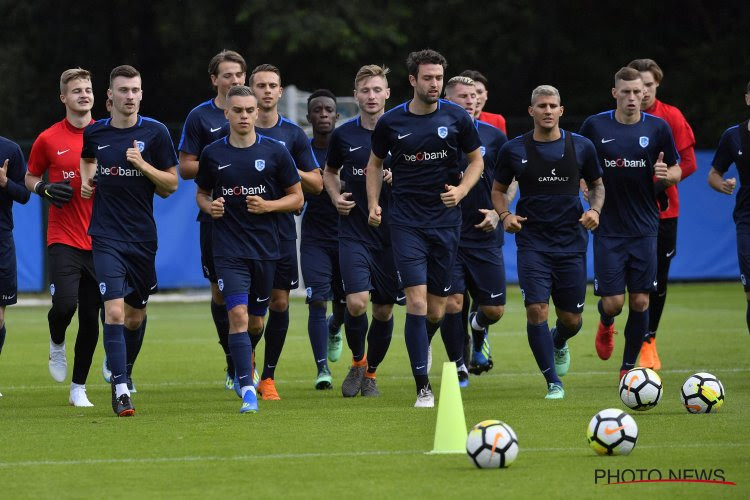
x,y
493,119
57,151
684,141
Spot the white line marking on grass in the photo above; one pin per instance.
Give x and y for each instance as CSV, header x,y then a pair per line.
x,y
306,456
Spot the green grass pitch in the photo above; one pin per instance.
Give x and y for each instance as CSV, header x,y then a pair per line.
x,y
189,441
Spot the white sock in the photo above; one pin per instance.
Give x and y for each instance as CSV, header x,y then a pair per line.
x,y
56,347
121,389
474,324
77,386
462,368
246,388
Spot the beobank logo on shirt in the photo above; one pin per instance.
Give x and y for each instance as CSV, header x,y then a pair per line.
x,y
69,175
243,190
425,156
118,171
624,163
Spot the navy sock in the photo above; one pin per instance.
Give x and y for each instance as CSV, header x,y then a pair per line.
x,y
478,335
747,317
221,320
432,328
415,334
133,346
242,351
338,311
453,337
561,333
317,330
378,341
254,339
114,346
635,328
2,337
540,342
276,328
355,328
603,317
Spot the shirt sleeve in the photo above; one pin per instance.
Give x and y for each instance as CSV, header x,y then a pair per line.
x,y
379,141
334,158
38,162
16,171
723,157
205,178
504,172
303,154
287,174
89,148
190,140
164,155
468,137
589,161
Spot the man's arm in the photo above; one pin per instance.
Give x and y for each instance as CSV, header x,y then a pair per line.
x,y
590,218
214,208
292,201
332,182
718,183
188,165
88,170
11,178
511,222
164,180
454,194
374,183
312,182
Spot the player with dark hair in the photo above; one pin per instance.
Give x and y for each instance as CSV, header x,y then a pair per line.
x,y
479,266
633,148
733,143
424,137
551,228
204,124
11,189
365,254
133,158
319,248
481,84
265,80
243,180
669,202
57,152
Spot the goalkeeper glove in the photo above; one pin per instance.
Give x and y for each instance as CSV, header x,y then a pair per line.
x,y
58,193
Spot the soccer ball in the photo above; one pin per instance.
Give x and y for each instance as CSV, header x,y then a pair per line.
x,y
612,432
640,389
702,393
492,444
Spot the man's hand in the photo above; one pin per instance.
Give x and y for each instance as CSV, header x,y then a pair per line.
x,y
660,168
87,189
58,193
452,195
133,155
375,216
217,208
343,204
727,187
489,223
590,219
387,176
512,222
4,174
256,205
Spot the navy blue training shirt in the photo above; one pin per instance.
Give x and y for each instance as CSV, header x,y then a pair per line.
x,y
124,197
15,190
627,154
265,169
425,151
349,152
549,196
732,150
293,137
320,219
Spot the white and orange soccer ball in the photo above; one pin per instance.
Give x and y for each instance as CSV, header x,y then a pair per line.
x,y
492,444
641,389
612,432
702,393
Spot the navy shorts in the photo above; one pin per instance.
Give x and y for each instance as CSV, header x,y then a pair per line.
x,y
8,272
287,274
207,249
70,269
320,270
482,272
621,262
562,276
239,276
743,256
365,269
426,256
125,269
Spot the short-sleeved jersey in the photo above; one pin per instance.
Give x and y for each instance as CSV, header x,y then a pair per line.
x,y
627,154
124,200
425,150
57,151
204,124
734,147
480,196
293,137
349,152
15,190
320,219
548,183
494,119
684,141
265,169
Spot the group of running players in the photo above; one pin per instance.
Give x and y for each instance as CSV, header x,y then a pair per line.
x,y
406,207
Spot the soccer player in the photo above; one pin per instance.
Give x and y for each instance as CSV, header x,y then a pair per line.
x,y
57,151
319,248
669,202
424,136
479,265
633,148
551,227
365,253
12,189
243,179
265,80
481,84
733,143
133,158
204,124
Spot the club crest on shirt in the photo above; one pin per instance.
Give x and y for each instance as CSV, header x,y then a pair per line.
x,y
260,165
442,132
482,150
643,141
141,145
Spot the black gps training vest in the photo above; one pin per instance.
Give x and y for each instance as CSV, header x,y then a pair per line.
x,y
544,177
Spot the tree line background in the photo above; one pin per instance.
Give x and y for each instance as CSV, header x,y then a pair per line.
x,y
518,44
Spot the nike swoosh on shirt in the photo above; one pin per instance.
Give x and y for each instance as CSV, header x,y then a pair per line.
x,y
669,254
63,152
155,284
222,167
605,141
495,295
405,135
215,129
524,160
360,147
102,147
